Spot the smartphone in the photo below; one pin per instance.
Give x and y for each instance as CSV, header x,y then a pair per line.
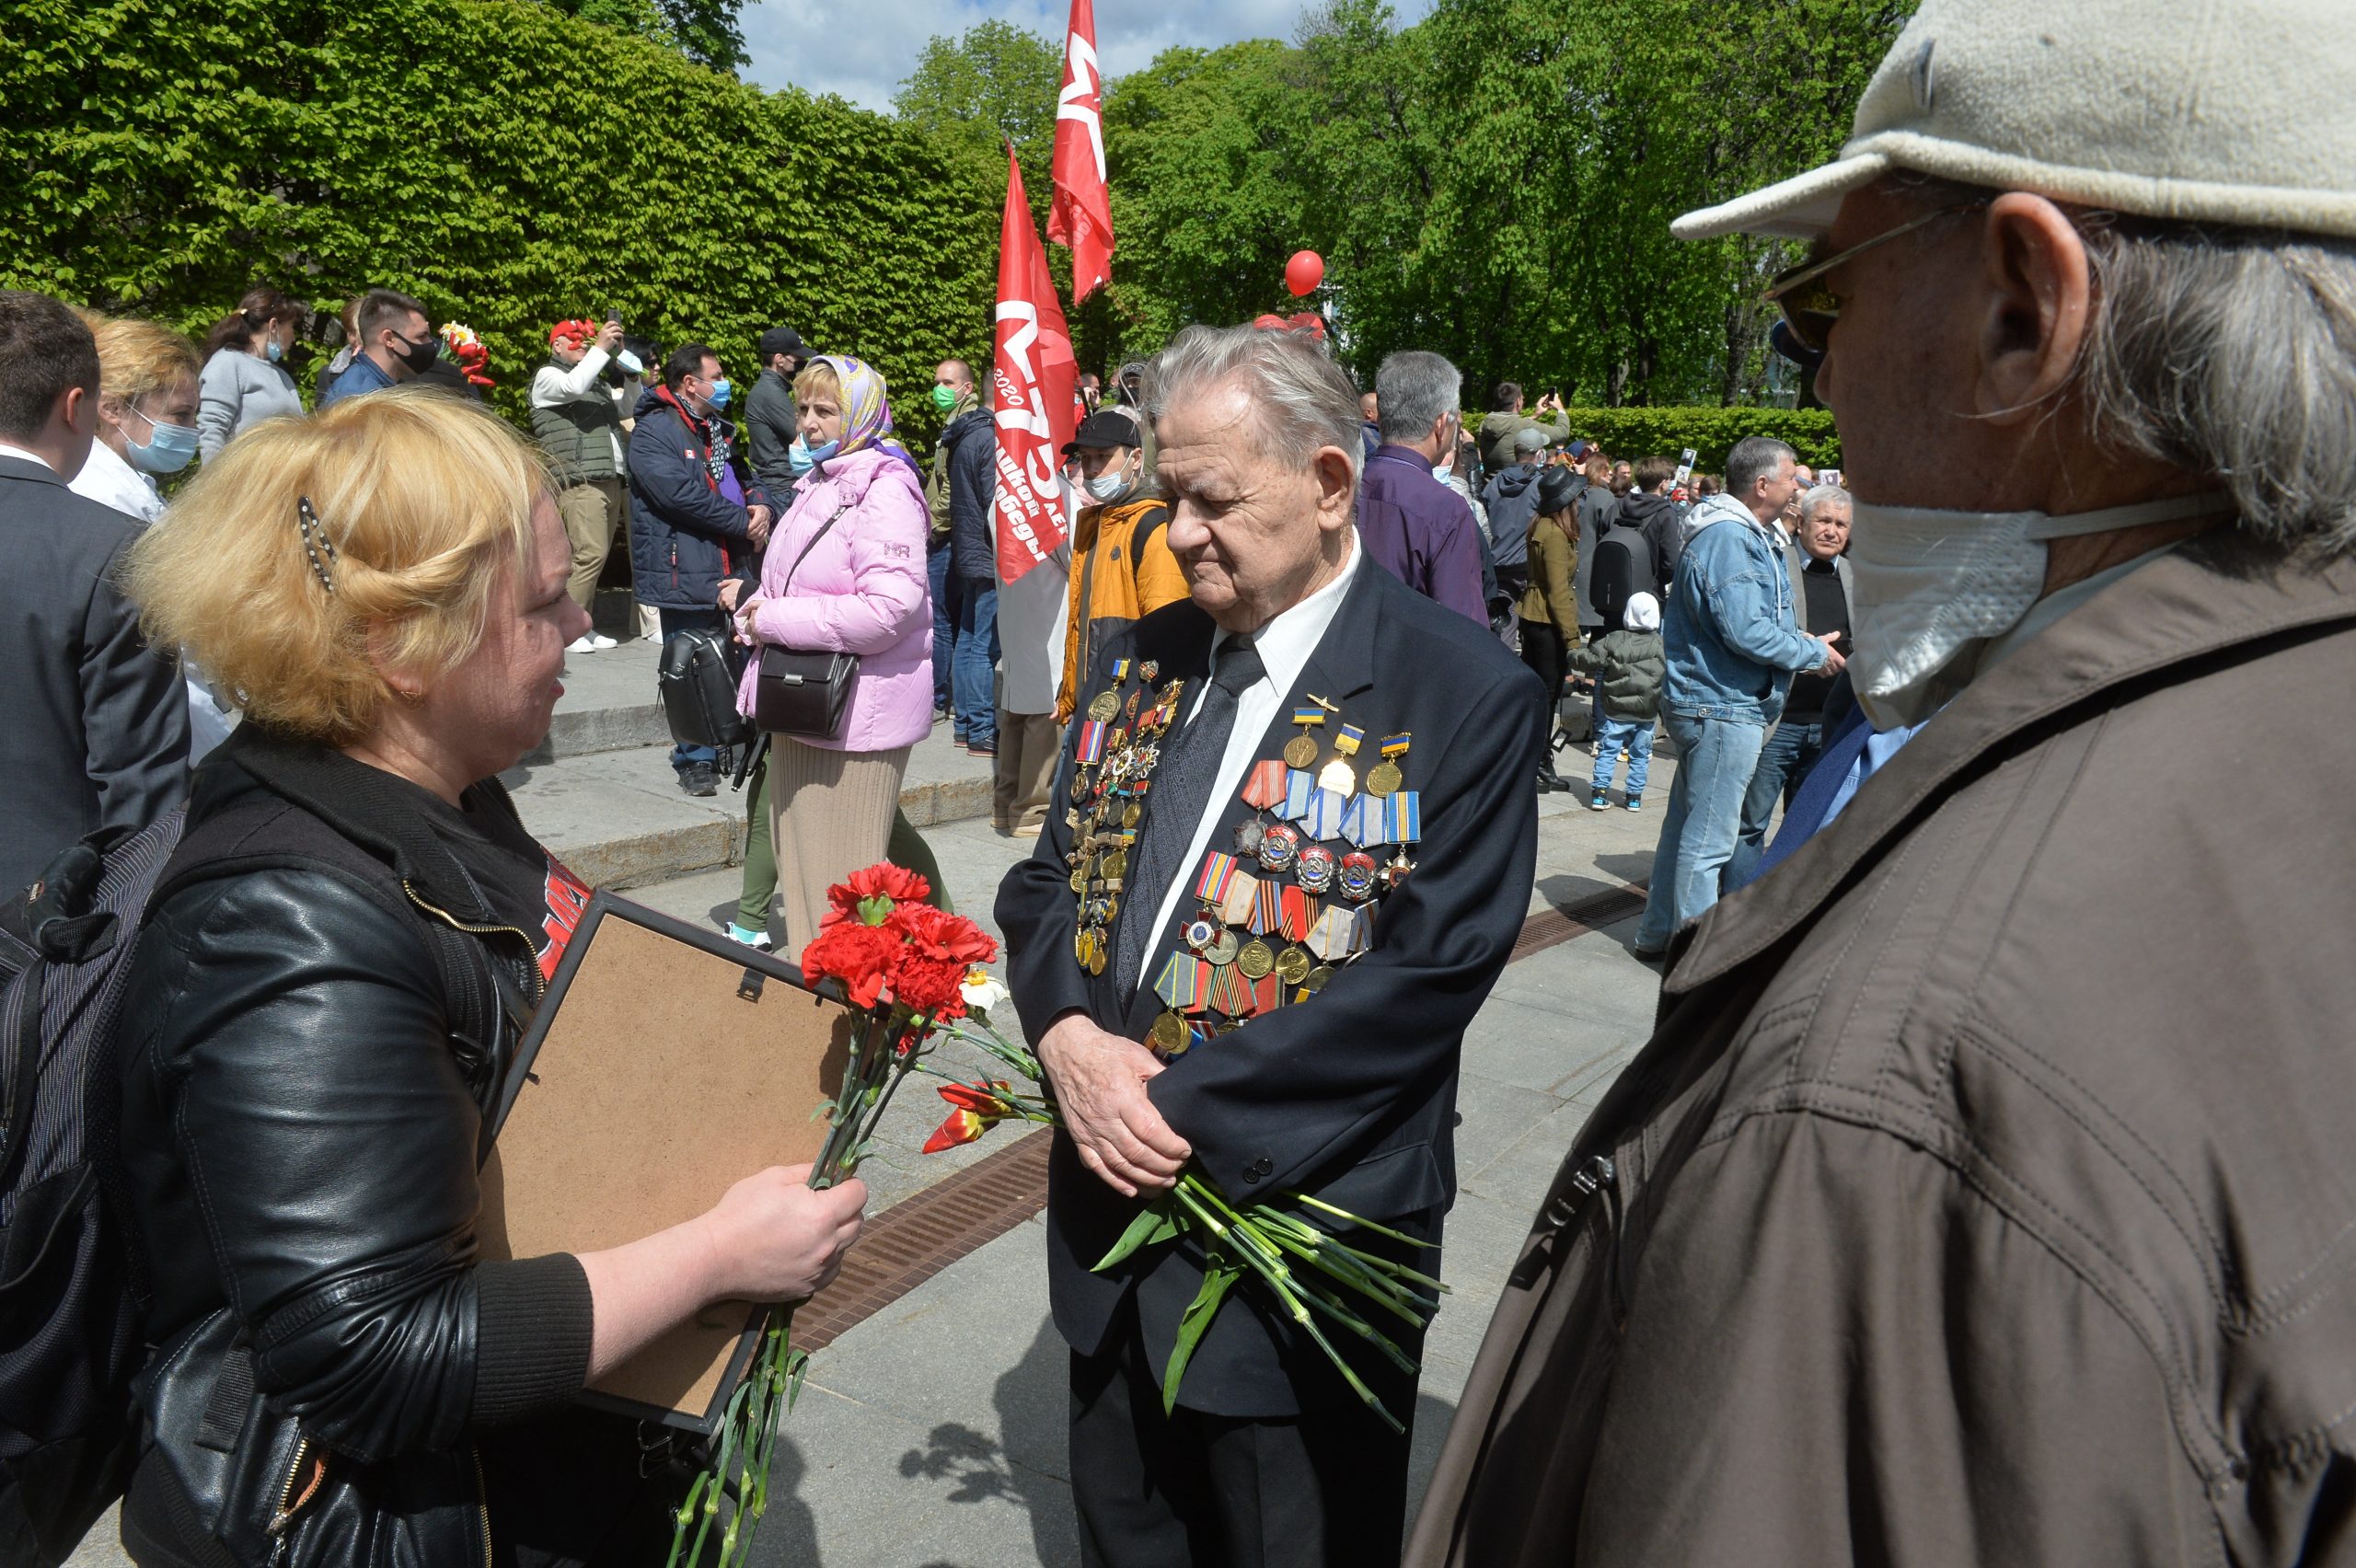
x,y
614,315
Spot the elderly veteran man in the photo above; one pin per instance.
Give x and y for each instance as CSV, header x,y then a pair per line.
x,y
1287,859
1986,1194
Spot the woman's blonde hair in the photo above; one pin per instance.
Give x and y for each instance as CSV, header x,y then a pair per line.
x,y
420,498
137,358
818,380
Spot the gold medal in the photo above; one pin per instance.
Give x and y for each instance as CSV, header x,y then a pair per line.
x,y
1221,950
1301,752
1385,776
1104,706
1293,966
1117,864
1079,880
1169,1034
1338,776
1082,941
1096,954
1316,981
1255,960
1132,815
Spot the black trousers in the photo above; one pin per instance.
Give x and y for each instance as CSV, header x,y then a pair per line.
x,y
1192,1489
1542,650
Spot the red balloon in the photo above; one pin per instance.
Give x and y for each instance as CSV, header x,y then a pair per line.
x,y
1304,272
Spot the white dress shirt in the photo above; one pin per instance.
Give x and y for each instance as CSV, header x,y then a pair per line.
x,y
1285,645
27,453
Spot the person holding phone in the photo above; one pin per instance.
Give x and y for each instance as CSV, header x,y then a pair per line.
x,y
577,417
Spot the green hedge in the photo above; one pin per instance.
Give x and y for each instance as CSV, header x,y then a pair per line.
x,y
507,164
1711,431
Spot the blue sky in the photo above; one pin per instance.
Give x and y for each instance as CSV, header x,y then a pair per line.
x,y
863,51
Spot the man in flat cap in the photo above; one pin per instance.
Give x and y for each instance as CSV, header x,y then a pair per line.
x,y
1987,1193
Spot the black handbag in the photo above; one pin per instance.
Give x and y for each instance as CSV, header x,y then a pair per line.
x,y
802,692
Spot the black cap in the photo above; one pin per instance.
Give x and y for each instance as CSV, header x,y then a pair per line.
x,y
1557,487
782,340
1103,430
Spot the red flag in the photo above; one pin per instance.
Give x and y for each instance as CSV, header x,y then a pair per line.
x,y
1082,212
1032,376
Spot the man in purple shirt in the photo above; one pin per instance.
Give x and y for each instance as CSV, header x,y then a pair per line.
x,y
1413,525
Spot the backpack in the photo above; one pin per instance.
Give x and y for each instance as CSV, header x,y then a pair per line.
x,y
71,1293
697,680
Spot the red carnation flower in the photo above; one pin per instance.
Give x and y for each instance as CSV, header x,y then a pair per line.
x,y
861,956
869,894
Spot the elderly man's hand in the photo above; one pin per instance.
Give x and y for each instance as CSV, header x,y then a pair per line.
x,y
1100,1082
609,336
757,522
1834,662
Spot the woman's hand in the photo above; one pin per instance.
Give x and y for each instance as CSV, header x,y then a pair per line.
x,y
770,1239
743,610
775,1240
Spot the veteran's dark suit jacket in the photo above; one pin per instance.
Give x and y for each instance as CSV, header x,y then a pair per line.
x,y
93,726
1350,1095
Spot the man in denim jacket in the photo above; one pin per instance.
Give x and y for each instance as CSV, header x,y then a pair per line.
x,y
1734,643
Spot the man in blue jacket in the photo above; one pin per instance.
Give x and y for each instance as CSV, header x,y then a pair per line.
x,y
1734,643
696,515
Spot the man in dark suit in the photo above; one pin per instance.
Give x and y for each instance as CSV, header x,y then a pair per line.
x,y
1321,761
93,726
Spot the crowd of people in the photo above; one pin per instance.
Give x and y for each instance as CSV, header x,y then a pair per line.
x,y
1982,1194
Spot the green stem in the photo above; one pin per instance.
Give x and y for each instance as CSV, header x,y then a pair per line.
x,y
1355,1222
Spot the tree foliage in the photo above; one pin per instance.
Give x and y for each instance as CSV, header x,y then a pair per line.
x,y
493,158
1494,182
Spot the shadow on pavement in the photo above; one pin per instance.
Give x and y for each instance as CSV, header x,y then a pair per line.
x,y
1031,1400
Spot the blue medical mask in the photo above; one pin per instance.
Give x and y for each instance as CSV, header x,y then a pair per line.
x,y
799,456
820,453
721,392
170,448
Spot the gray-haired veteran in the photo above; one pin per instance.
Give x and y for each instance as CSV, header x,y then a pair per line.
x,y
1291,848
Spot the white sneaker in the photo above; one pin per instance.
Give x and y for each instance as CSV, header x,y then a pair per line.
x,y
581,644
600,641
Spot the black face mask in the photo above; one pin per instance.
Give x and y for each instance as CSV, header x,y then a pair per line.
x,y
419,357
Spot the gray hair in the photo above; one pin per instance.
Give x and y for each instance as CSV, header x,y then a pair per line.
x,y
2231,353
1303,399
1412,389
1819,496
1754,457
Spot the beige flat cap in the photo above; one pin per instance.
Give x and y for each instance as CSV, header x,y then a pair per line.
x,y
2229,111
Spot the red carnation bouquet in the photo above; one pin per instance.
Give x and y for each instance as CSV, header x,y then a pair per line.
x,y
903,967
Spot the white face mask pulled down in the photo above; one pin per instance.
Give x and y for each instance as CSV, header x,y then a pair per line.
x,y
1930,587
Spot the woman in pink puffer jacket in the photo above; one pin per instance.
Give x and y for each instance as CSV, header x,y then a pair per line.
x,y
860,589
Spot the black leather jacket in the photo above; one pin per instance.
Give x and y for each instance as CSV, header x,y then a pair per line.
x,y
312,1039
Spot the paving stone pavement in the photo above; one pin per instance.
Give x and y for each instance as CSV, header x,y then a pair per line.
x,y
933,1434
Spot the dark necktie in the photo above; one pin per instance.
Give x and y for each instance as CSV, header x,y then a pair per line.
x,y
1182,789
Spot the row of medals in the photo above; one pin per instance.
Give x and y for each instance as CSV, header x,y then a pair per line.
x,y
1104,826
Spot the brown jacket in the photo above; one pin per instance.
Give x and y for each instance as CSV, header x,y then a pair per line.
x,y
1987,1193
1551,598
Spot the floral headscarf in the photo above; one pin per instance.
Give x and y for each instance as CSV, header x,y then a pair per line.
x,y
867,410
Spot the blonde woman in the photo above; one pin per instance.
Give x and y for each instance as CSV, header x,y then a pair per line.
x,y
147,411
844,573
313,1047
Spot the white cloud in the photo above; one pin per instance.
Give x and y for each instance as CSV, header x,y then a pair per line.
x,y
864,50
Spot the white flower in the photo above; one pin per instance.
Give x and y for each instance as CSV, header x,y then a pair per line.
x,y
981,992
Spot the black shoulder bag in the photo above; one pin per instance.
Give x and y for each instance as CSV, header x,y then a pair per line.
x,y
799,692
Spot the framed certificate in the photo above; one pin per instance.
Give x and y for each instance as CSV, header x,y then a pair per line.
x,y
666,1063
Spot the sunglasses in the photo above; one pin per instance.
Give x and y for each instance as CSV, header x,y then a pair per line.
x,y
1810,307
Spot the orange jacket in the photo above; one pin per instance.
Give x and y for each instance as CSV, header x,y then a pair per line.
x,y
1121,569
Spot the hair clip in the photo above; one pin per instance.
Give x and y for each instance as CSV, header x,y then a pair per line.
x,y
315,543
